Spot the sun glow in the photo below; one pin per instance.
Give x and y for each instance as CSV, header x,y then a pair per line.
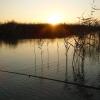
x,y
54,19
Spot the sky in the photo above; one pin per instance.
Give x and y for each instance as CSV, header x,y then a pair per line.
x,y
43,11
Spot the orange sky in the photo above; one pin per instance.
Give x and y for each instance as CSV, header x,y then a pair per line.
x,y
41,11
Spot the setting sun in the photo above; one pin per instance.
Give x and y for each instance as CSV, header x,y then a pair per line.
x,y
54,19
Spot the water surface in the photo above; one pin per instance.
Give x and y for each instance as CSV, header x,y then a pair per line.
x,y
73,59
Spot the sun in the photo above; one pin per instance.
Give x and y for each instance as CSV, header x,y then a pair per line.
x,y
54,19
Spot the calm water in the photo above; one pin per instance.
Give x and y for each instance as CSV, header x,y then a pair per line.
x,y
73,59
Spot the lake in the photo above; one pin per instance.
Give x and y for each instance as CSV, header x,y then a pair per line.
x,y
73,59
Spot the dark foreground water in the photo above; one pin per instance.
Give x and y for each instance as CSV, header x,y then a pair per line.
x,y
74,59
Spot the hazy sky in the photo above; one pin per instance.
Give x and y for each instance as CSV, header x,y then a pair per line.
x,y
42,10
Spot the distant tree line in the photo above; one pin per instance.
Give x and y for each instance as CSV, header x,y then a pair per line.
x,y
17,30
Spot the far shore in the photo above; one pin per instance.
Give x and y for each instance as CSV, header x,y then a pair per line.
x,y
14,30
